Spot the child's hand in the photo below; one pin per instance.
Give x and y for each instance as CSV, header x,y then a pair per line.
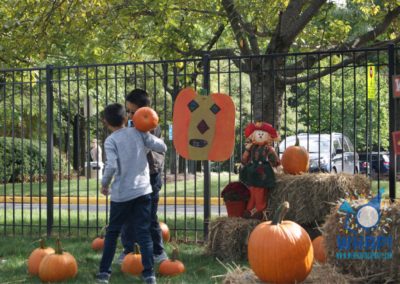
x,y
105,190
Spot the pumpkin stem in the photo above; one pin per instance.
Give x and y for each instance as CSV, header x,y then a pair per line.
x,y
42,244
280,213
137,249
175,253
297,141
102,231
59,249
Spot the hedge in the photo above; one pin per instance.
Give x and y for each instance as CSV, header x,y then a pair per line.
x,y
22,160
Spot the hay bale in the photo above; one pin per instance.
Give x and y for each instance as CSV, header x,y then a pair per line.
x,y
228,236
320,274
370,270
311,196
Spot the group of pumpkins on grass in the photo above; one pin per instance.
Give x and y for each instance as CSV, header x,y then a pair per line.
x,y
52,265
132,263
57,265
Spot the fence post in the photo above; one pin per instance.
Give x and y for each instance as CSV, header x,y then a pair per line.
x,y
49,164
206,164
392,124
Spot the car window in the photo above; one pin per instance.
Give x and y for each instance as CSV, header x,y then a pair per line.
x,y
336,144
345,145
349,144
363,157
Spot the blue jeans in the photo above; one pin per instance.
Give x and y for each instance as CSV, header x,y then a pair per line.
x,y
136,213
128,232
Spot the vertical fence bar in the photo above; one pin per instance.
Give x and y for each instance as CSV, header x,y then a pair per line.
x,y
206,164
49,165
392,125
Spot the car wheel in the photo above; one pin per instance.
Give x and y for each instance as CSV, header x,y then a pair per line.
x,y
334,170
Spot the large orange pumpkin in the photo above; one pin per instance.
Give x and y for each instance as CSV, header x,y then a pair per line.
x,y
165,232
280,251
204,126
59,266
37,256
172,267
295,159
319,249
145,119
132,262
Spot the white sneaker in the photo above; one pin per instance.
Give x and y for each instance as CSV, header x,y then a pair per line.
x,y
160,258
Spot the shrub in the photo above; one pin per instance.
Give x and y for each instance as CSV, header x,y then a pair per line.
x,y
21,161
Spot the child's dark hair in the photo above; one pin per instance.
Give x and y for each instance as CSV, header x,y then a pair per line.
x,y
114,114
138,97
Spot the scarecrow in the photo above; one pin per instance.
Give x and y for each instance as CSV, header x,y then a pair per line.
x,y
258,161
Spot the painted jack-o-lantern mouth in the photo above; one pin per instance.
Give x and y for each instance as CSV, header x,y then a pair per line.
x,y
199,143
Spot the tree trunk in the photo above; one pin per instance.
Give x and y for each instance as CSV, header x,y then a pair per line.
x,y
267,93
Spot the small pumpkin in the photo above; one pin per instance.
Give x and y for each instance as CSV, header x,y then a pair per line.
x,y
280,251
165,232
172,267
204,125
58,266
295,159
145,119
37,256
132,262
98,243
319,249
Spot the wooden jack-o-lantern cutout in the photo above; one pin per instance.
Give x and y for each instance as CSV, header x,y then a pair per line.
x,y
204,126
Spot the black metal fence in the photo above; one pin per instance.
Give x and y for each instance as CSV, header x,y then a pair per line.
x,y
50,116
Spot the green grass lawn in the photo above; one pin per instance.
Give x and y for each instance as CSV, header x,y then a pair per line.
x,y
14,253
90,187
16,245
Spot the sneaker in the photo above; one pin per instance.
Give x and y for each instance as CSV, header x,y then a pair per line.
x,y
149,280
121,258
160,258
102,277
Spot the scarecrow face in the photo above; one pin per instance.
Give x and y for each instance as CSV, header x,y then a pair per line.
x,y
204,126
261,137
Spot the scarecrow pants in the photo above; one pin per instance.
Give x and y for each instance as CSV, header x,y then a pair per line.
x,y
257,198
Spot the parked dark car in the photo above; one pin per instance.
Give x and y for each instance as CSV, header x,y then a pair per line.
x,y
378,162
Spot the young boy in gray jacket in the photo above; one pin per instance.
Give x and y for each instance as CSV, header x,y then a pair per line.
x,y
126,162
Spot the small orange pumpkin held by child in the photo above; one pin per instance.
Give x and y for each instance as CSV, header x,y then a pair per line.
x,y
165,232
37,256
319,249
58,266
172,267
132,262
145,119
295,159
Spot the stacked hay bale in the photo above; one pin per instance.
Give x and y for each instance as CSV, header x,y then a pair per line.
x,y
312,196
366,254
228,237
320,274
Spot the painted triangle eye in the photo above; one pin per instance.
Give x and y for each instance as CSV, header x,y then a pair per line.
x,y
193,105
215,109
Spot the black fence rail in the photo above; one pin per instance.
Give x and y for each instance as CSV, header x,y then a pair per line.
x,y
51,116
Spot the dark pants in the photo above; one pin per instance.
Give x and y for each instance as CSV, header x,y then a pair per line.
x,y
136,213
128,232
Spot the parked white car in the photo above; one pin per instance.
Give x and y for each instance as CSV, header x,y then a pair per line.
x,y
328,153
